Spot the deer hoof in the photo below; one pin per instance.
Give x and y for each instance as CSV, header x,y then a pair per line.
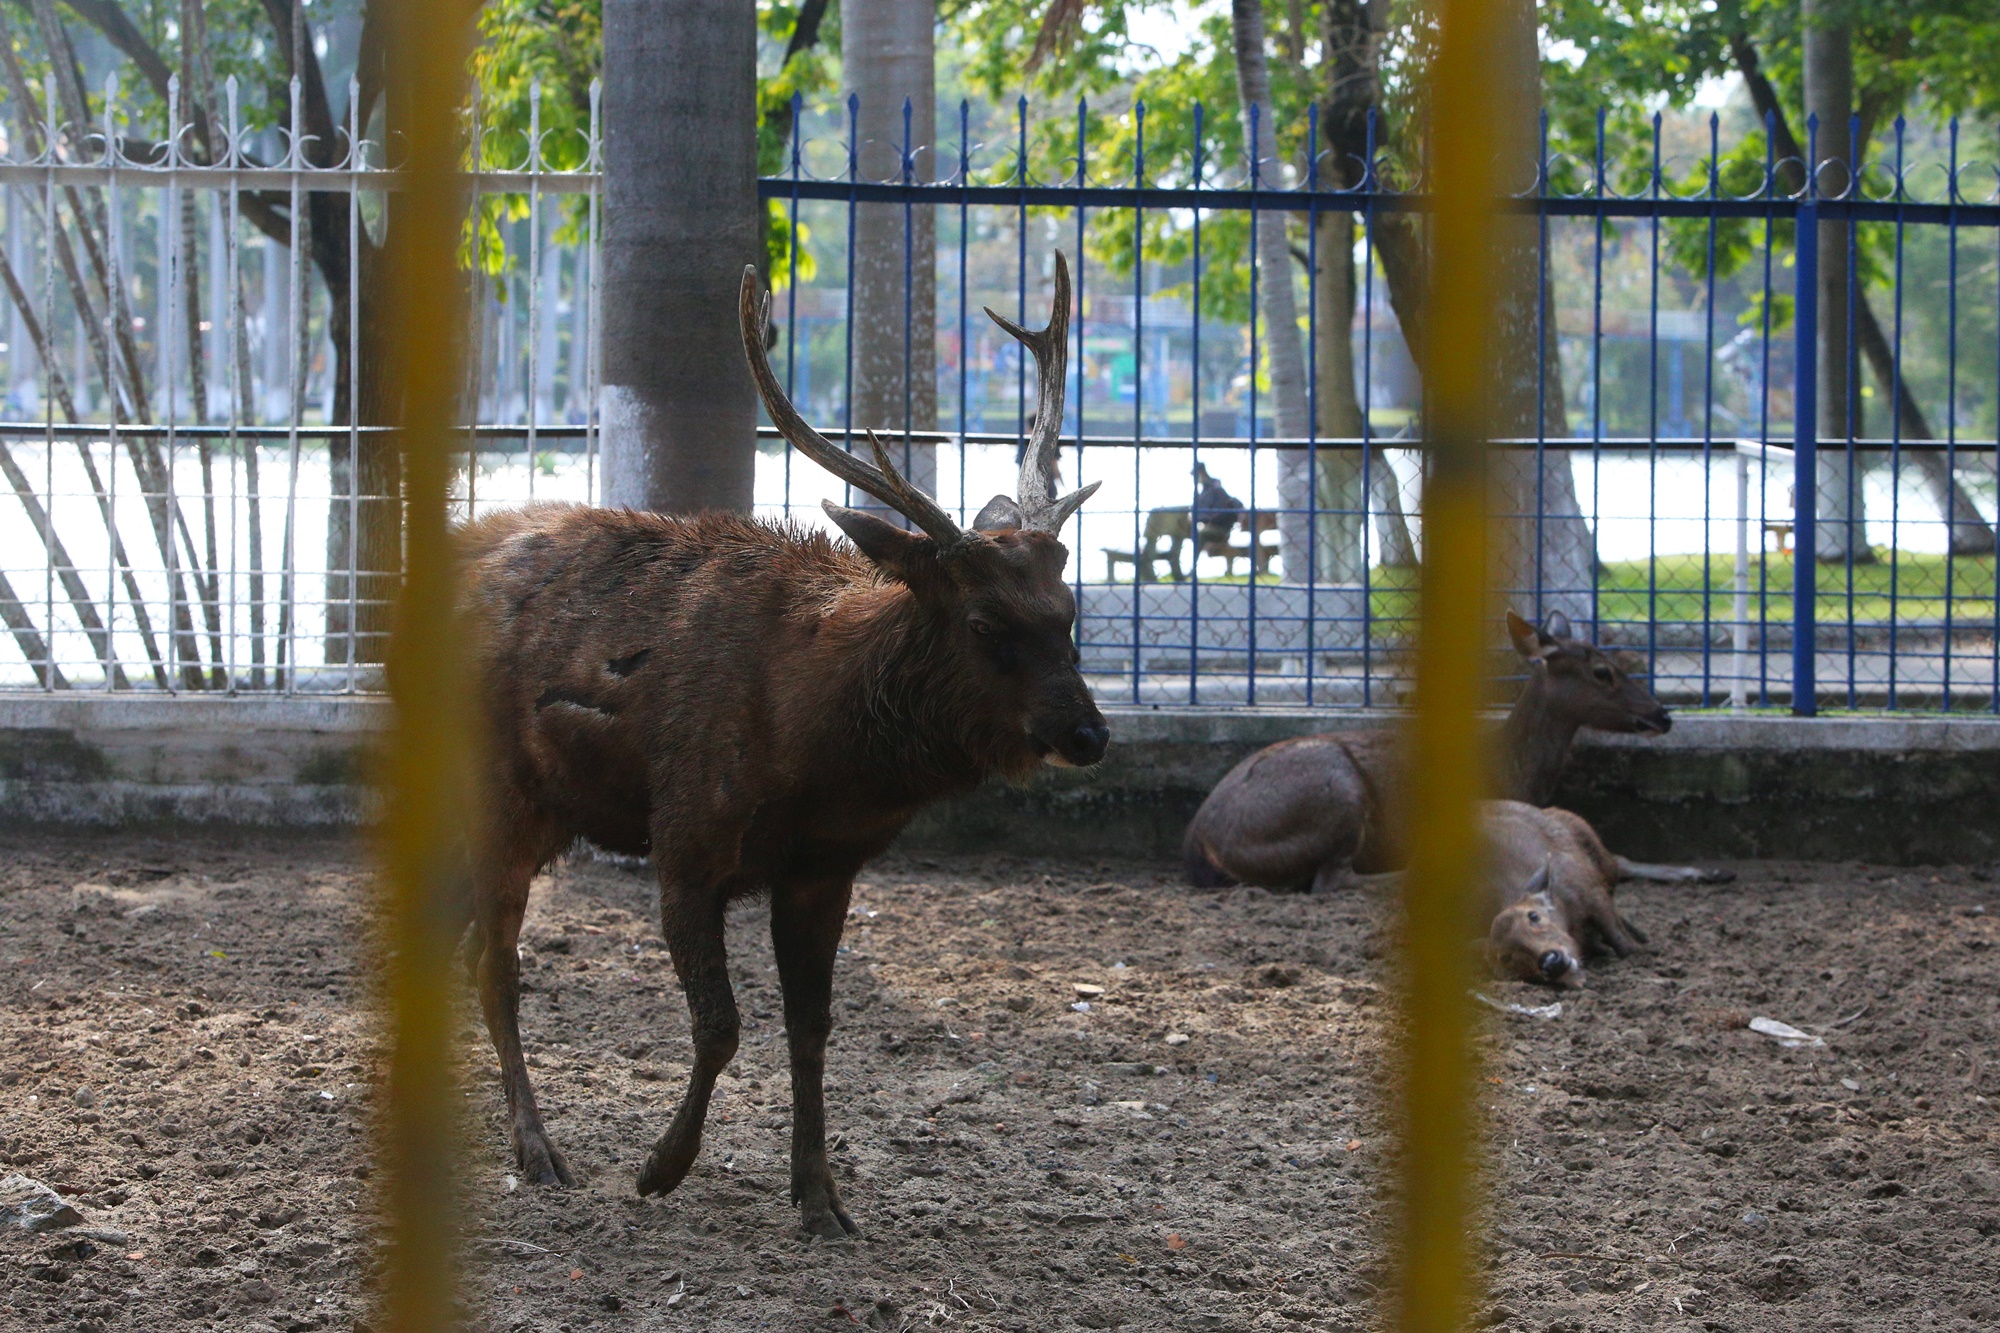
x,y
1716,877
664,1170
829,1223
541,1163
820,1212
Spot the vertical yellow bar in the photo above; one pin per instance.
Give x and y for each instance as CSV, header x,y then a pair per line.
x,y
1448,764
429,791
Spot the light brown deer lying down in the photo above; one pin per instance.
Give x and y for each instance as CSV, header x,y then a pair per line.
x,y
1549,884
1313,812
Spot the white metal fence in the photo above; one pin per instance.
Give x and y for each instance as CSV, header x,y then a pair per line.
x,y
194,496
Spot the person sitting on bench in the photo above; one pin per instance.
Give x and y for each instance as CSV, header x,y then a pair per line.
x,y
1216,511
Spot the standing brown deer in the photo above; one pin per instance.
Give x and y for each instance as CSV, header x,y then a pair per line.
x,y
760,710
1316,810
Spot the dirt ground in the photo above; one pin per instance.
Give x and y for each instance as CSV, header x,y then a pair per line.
x,y
186,1052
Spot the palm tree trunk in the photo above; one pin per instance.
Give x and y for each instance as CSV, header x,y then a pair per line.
x,y
680,225
889,57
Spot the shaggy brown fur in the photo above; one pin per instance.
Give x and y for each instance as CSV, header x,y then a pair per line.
x,y
761,711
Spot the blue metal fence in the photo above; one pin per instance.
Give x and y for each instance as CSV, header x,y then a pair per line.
x,y
1255,538
1671,349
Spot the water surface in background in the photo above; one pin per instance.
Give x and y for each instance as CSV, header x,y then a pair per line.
x,y
1636,508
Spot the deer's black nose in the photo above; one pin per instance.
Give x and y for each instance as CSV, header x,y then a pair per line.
x,y
1087,743
1554,964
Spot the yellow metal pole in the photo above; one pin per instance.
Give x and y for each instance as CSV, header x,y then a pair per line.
x,y
430,759
1448,764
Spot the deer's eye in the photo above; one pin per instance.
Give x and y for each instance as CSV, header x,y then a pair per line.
x,y
1603,673
1534,918
996,642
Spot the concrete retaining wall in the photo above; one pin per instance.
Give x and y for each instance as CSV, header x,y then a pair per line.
x,y
1900,790
133,759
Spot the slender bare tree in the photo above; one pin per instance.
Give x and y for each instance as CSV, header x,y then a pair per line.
x,y
1284,349
1351,69
1829,96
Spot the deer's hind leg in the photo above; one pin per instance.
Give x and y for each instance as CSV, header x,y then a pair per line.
x,y
806,921
503,871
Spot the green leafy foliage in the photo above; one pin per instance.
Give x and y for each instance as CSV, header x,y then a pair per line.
x,y
533,70
556,44
1193,132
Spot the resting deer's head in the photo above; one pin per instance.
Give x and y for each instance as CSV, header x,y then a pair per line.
x,y
1583,682
1530,941
998,586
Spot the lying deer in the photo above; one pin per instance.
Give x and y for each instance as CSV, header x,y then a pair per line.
x,y
1549,883
760,710
1313,812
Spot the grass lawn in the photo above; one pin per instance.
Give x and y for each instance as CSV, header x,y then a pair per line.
x,y
1671,589
1910,588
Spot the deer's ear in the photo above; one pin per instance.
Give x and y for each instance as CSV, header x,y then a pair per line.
x,y
893,550
1556,626
1001,514
1529,642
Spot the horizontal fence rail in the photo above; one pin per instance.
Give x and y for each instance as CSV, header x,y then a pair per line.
x,y
197,501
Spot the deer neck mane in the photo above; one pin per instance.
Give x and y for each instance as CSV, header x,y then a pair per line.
x,y
1535,744
911,700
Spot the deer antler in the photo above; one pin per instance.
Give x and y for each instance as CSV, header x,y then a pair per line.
x,y
1039,507
881,480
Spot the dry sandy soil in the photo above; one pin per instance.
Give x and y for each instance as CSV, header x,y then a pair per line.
x,y
186,1052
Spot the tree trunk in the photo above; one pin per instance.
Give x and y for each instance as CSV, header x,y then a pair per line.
x,y
1340,557
1562,576
364,530
1352,37
375,472
889,57
1349,478
1970,532
679,410
1829,95
1544,557
1283,347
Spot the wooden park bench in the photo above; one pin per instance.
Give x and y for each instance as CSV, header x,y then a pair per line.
x,y
1169,530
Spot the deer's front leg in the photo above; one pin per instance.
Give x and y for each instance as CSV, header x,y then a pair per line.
x,y
691,920
806,922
